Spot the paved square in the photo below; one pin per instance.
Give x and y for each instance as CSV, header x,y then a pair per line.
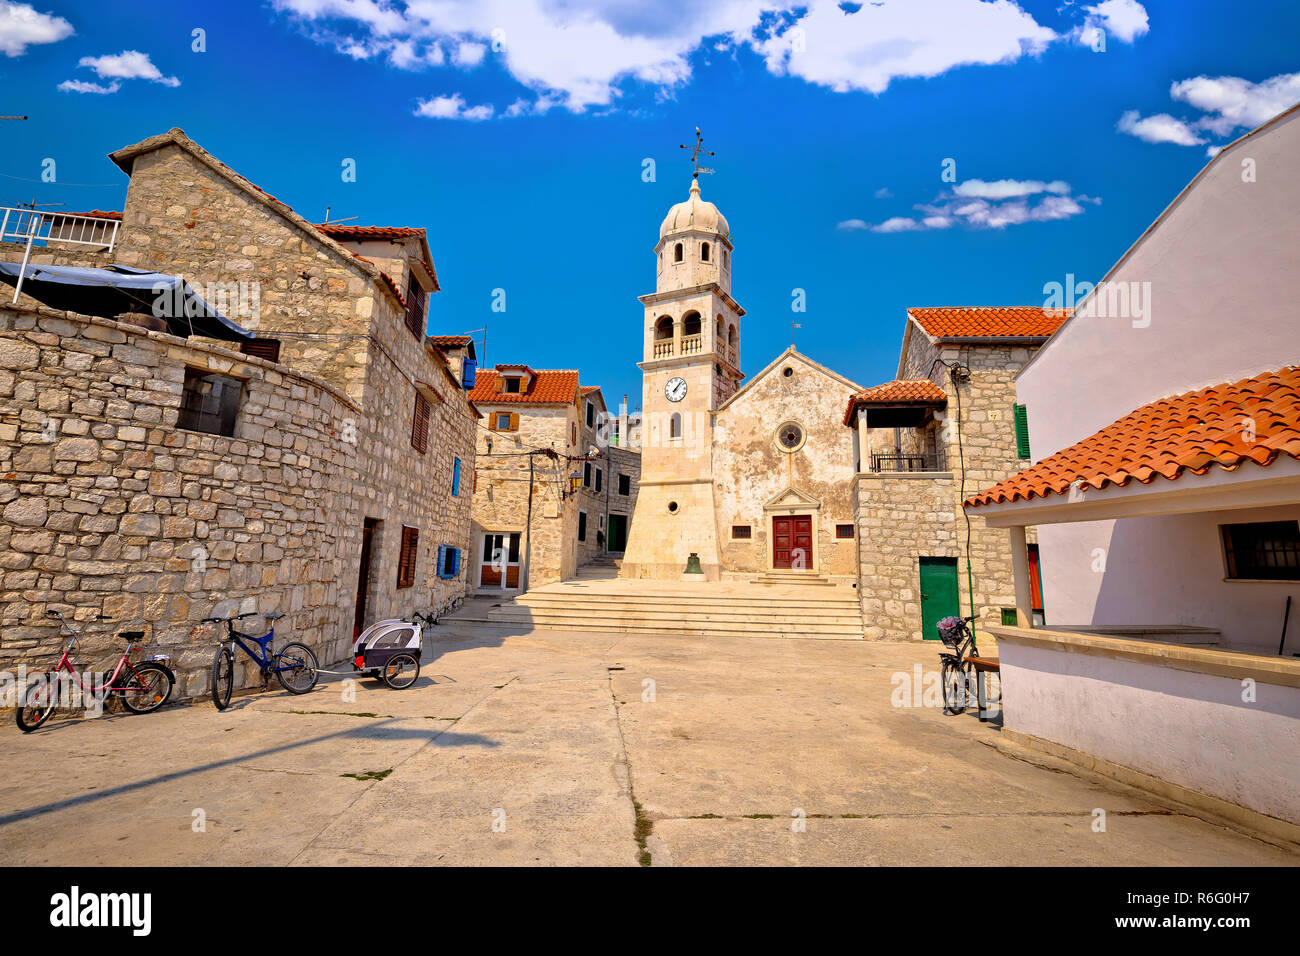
x,y
537,748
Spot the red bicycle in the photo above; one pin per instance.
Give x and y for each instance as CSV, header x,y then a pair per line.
x,y
143,687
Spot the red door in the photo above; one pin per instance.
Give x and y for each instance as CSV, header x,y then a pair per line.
x,y
792,542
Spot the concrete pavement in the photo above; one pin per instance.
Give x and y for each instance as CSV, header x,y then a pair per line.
x,y
552,747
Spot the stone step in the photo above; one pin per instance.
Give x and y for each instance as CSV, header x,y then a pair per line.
x,y
675,628
849,612
674,601
797,580
585,620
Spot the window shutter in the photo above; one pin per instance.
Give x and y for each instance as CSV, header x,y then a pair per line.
x,y
455,561
420,424
514,421
268,349
442,559
455,476
1022,432
470,369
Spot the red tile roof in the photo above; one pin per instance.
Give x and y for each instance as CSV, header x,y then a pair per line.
x,y
348,231
93,214
547,386
975,322
1256,419
906,391
588,389
450,341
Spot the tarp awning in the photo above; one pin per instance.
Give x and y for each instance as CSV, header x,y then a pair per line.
x,y
109,292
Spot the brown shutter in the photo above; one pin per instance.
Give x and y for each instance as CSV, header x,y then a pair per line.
x,y
514,421
492,422
406,557
268,349
420,424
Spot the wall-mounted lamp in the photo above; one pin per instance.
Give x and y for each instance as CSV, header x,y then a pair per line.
x,y
575,482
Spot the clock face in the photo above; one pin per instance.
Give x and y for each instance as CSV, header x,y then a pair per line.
x,y
675,390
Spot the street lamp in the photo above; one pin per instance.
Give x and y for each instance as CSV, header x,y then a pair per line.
x,y
575,482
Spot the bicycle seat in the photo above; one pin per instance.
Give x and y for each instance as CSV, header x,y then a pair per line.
x,y
130,635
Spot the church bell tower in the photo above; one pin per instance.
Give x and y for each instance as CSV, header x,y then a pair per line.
x,y
690,365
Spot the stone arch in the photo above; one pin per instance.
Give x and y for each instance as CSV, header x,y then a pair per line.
x,y
691,323
704,252
664,328
677,252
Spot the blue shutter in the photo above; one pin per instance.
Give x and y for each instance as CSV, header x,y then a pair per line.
x,y
442,556
455,562
455,477
467,376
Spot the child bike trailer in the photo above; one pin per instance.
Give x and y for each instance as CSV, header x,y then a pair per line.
x,y
390,651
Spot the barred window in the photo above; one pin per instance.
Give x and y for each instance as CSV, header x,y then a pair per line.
x,y
1262,550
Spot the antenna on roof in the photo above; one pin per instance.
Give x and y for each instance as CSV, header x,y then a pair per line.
x,y
482,358
13,117
334,222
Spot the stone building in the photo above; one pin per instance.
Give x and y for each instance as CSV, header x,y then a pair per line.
x,y
334,488
552,492
764,482
947,424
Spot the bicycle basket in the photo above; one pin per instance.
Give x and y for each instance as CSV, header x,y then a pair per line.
x,y
951,631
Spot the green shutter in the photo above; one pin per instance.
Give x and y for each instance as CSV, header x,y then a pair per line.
x,y
1022,432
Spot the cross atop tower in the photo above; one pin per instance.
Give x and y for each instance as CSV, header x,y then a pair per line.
x,y
695,155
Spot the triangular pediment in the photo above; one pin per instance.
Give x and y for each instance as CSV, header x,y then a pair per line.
x,y
793,498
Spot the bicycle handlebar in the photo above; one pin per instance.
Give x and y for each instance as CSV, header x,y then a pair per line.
x,y
236,617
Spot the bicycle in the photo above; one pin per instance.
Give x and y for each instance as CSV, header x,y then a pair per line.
x,y
957,671
295,660
143,687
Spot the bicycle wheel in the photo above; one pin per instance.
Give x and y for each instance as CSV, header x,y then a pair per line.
x,y
223,677
954,686
401,671
148,689
37,706
299,663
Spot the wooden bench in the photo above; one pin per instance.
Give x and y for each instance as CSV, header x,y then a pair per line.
x,y
983,667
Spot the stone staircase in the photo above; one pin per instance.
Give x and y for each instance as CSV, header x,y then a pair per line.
x,y
597,600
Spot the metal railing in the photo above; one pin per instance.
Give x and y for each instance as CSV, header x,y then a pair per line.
x,y
33,227
881,463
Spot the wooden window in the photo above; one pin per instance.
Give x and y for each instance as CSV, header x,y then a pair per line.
x,y
209,402
455,477
415,302
1262,550
512,384
844,531
420,424
591,415
600,474
268,349
586,474
505,422
406,557
582,526
1022,431
741,532
624,484
448,562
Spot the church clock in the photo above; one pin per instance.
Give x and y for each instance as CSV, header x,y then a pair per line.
x,y
675,390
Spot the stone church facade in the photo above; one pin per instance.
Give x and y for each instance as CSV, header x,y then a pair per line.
x,y
803,476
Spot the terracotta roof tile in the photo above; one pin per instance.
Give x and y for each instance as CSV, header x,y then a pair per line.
x,y
347,231
967,322
93,214
547,386
904,391
450,341
1256,419
588,389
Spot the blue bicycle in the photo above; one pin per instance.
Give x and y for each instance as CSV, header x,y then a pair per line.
x,y
294,665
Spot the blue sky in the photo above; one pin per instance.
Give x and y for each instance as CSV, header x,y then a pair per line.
x,y
515,131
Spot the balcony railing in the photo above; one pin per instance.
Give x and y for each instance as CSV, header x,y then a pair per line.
x,y
895,463
31,227
692,344
663,348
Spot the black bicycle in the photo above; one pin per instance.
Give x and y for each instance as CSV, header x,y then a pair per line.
x,y
294,665
958,672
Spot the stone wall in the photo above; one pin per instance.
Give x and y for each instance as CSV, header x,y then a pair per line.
x,y
109,507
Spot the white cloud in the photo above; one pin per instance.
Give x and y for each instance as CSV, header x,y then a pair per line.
x,y
1233,103
884,192
1227,105
1159,128
127,65
977,204
582,53
22,26
453,107
80,86
1125,20
868,49
1007,188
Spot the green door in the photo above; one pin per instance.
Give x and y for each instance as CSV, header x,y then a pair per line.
x,y
939,598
